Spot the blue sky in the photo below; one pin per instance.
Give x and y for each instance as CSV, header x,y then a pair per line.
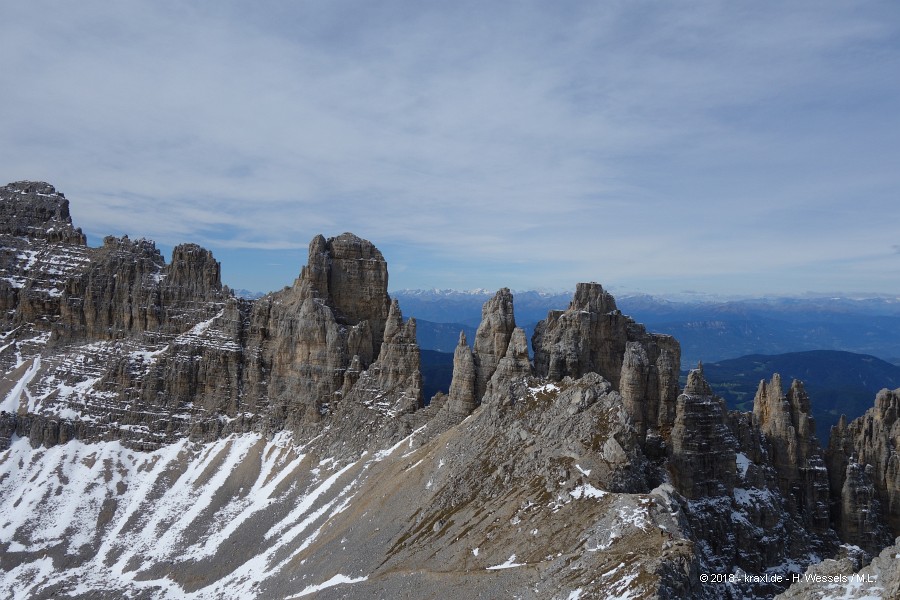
x,y
723,147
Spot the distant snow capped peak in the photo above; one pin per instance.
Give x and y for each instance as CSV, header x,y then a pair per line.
x,y
248,294
475,292
441,293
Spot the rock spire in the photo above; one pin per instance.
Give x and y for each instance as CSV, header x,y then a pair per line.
x,y
492,338
461,401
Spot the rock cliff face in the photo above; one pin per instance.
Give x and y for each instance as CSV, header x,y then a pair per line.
x,y
393,382
492,338
512,369
461,401
40,252
148,352
592,335
798,459
703,449
177,422
350,275
126,289
864,467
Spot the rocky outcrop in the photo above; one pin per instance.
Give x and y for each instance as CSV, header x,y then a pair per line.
x,y
461,400
35,210
54,282
589,336
40,251
492,338
789,428
193,275
592,335
727,468
181,357
393,383
864,467
170,339
127,289
351,276
702,463
512,370
499,360
303,340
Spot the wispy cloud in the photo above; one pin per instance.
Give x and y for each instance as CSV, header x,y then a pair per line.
x,y
521,144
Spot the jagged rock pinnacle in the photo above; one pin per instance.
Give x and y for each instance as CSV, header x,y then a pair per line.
x,y
461,400
492,338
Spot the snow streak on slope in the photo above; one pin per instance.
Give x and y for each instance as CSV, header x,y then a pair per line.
x,y
187,521
14,397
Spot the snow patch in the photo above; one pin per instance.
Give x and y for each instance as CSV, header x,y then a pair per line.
x,y
743,463
14,397
752,497
336,580
382,454
587,491
509,564
545,388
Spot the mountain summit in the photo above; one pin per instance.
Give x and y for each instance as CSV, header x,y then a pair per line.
x,y
162,438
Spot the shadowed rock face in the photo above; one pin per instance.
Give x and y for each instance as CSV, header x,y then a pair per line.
x,y
864,467
395,376
786,422
703,455
512,369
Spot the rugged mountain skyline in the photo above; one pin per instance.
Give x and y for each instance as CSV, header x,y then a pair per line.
x,y
162,438
709,329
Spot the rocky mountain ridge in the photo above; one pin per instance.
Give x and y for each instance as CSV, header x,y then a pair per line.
x,y
163,410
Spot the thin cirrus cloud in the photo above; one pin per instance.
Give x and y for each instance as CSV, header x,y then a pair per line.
x,y
721,147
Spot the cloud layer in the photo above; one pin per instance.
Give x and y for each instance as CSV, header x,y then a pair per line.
x,y
722,147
